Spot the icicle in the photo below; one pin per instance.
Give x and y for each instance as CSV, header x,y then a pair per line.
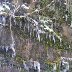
x,y
50,36
15,21
71,24
7,48
13,41
53,38
69,46
60,41
28,27
52,25
41,32
52,31
38,37
35,22
66,17
3,21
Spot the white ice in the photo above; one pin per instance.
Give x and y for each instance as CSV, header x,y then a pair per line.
x,y
1,8
26,7
6,6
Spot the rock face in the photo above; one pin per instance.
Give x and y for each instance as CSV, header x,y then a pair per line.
x,y
67,32
5,38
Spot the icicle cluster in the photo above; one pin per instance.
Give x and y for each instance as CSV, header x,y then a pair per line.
x,y
31,25
5,10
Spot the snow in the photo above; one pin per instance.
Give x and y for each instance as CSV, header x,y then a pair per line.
x,y
6,6
26,7
36,23
53,1
47,28
36,10
1,8
41,26
44,21
40,31
37,64
25,66
51,30
66,58
65,3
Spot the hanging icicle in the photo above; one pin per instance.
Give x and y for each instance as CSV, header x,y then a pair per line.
x,y
66,17
50,37
13,41
28,26
38,36
15,21
53,37
3,20
60,41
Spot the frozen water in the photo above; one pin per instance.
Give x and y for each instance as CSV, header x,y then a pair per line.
x,y
1,8
6,6
24,6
